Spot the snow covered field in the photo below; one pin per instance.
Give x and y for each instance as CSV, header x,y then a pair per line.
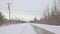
x,y
29,28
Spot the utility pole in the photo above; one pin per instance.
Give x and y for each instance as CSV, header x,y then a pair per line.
x,y
55,7
48,10
9,10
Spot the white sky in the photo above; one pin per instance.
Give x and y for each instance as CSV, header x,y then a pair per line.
x,y
25,9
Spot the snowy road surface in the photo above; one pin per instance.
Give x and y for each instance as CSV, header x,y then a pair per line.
x,y
27,28
17,29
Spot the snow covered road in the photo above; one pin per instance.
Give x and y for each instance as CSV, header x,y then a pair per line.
x,y
30,28
17,29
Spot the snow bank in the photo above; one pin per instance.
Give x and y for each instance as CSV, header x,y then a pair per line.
x,y
52,28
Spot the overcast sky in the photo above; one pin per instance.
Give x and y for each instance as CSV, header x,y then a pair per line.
x,y
25,9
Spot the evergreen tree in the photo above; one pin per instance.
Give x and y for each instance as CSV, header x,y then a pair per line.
x,y
1,18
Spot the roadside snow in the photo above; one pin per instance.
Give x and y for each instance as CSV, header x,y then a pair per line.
x,y
51,28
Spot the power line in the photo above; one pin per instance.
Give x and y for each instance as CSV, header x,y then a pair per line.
x,y
2,7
